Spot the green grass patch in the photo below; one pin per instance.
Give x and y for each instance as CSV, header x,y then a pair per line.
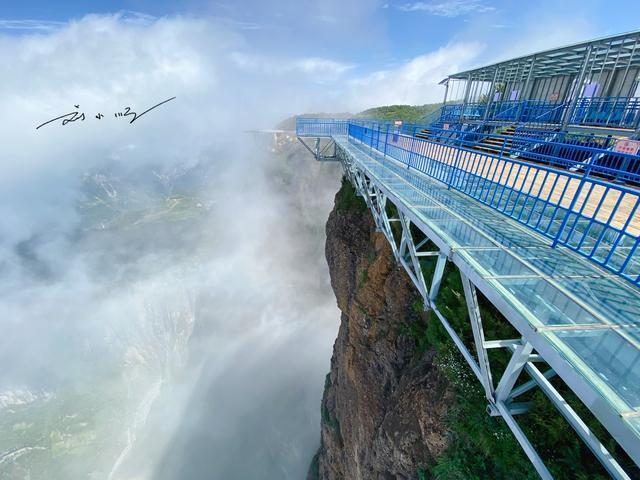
x,y
348,198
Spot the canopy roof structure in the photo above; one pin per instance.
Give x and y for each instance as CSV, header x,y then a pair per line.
x,y
593,84
603,54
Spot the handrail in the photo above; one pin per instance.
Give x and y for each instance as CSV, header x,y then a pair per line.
x,y
596,218
608,235
621,112
563,154
562,105
434,116
619,166
504,112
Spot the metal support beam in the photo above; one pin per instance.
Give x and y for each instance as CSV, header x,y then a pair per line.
x,y
478,336
318,151
465,99
446,92
491,95
524,89
530,385
577,89
602,454
459,343
535,459
437,277
518,360
408,246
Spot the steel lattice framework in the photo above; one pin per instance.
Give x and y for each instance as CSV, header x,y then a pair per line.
x,y
502,398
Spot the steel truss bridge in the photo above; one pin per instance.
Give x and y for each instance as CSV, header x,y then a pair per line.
x,y
535,241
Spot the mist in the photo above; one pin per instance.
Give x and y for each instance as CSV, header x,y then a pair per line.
x,y
164,300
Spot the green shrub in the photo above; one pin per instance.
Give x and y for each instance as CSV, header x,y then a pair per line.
x,y
348,197
482,446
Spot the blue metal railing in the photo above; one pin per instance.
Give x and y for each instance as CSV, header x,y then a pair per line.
x,y
607,112
559,149
320,127
564,152
571,138
596,218
618,112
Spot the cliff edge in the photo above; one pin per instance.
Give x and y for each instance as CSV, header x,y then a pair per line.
x,y
378,419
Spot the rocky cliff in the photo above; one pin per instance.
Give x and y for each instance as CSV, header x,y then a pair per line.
x,y
378,419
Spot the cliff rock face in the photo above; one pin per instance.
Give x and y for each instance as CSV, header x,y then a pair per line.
x,y
384,403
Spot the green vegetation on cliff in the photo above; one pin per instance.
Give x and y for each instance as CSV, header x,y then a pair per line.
x,y
348,198
406,113
483,446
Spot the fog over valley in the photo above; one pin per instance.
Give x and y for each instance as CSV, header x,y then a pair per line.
x,y
165,304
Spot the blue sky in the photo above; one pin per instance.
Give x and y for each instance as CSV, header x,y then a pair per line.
x,y
367,34
358,53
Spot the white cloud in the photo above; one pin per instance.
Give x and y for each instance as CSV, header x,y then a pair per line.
x,y
30,25
448,8
104,63
414,82
58,322
34,25
320,68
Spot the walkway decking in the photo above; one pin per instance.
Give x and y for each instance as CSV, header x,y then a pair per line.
x,y
601,203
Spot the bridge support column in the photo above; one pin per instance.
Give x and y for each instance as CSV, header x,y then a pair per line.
x,y
318,151
408,249
437,278
577,89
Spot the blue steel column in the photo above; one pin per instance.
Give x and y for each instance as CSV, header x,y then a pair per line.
x,y
466,98
524,89
491,95
577,88
446,92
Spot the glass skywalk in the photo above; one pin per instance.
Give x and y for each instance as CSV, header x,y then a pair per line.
x,y
588,315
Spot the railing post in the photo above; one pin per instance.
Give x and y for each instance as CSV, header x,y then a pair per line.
x,y
574,200
411,152
524,90
446,91
490,96
636,127
386,140
454,167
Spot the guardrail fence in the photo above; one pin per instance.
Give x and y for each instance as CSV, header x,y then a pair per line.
x,y
559,191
